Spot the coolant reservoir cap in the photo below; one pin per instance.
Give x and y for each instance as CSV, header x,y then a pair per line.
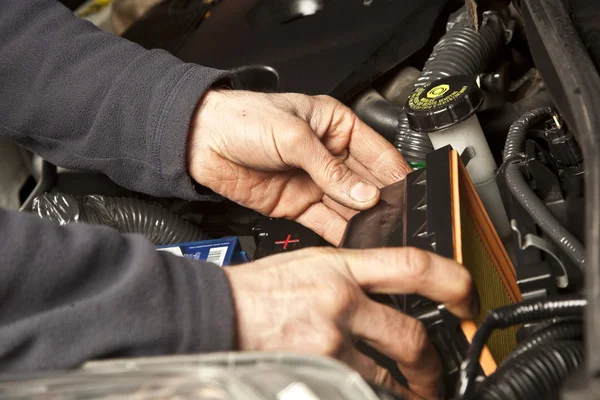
x,y
443,103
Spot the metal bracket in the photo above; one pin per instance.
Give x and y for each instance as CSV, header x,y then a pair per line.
x,y
530,240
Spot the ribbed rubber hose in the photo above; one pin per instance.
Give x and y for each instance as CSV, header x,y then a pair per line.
x,y
505,317
571,330
130,215
526,197
515,140
535,374
461,51
127,215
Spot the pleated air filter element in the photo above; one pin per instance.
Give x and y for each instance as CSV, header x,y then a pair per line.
x,y
479,249
437,209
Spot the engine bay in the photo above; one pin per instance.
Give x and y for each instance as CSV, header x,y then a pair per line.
x,y
498,122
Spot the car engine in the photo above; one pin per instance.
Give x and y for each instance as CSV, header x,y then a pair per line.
x,y
494,104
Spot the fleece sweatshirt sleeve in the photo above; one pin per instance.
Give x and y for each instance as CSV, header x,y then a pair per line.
x,y
84,99
75,293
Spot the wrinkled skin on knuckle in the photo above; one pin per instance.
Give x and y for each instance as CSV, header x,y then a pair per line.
x,y
285,102
335,171
334,105
291,135
297,104
343,298
416,264
339,293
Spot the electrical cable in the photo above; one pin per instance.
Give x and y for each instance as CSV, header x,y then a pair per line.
x,y
536,374
505,317
567,330
526,197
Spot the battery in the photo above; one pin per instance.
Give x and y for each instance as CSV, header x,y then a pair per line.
x,y
222,252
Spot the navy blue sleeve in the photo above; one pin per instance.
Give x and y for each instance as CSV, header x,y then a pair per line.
x,y
85,99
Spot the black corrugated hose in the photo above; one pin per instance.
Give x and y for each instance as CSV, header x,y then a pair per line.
x,y
531,203
131,215
536,374
461,51
568,330
505,317
127,215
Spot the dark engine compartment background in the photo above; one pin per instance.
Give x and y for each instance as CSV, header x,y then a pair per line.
x,y
335,47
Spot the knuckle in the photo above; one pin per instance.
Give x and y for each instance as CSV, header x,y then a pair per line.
x,y
331,342
464,285
343,297
347,297
326,99
416,263
335,104
298,131
335,171
417,340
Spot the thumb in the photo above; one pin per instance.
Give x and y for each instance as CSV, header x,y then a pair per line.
x,y
332,175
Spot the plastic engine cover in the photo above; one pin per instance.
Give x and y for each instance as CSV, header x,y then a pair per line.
x,y
334,47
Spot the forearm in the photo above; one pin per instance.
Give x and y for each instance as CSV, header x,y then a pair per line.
x,y
85,99
70,294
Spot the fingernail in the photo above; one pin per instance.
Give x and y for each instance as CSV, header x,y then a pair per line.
x,y
363,192
475,303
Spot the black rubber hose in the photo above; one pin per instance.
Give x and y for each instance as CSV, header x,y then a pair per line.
x,y
536,374
381,115
505,317
571,330
461,51
526,197
517,133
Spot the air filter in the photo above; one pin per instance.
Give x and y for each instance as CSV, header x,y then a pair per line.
x,y
437,209
479,249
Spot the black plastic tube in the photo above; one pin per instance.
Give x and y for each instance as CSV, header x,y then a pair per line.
x,y
571,330
461,51
515,140
526,197
536,374
381,115
506,317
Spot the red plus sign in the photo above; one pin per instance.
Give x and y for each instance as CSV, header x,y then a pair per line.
x,y
287,241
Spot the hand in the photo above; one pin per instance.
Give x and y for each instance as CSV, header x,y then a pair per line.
x,y
314,301
304,158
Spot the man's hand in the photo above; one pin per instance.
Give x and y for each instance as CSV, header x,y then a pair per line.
x,y
290,155
314,301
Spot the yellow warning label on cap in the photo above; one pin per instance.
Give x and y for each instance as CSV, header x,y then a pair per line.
x,y
438,96
438,91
